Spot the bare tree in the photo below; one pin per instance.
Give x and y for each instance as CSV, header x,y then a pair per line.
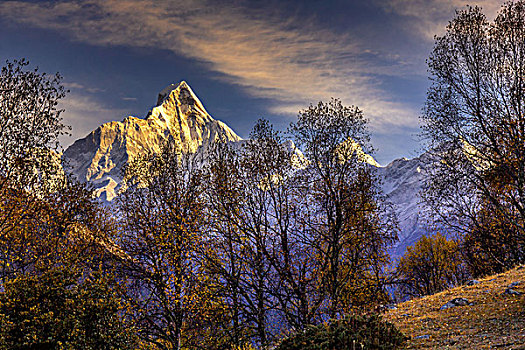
x,y
161,232
474,122
294,283
347,221
238,209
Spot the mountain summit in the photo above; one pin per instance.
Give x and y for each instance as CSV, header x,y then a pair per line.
x,y
100,157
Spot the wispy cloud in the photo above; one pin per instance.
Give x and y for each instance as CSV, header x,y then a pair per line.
x,y
428,18
292,62
72,85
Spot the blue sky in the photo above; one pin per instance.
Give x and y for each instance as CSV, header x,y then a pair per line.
x,y
244,59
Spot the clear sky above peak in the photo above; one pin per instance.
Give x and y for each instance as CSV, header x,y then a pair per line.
x,y
244,59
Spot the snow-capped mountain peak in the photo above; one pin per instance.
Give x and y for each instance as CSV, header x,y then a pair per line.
x,y
181,95
101,156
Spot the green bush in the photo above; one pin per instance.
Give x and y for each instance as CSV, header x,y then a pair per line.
x,y
351,332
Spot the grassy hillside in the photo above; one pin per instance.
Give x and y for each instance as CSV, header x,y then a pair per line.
x,y
494,321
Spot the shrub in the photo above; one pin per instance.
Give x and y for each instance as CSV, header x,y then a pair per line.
x,y
351,332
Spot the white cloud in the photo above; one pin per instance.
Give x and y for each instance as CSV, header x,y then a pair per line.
x,y
73,85
292,62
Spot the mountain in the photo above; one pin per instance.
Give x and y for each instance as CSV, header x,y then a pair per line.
x,y
402,182
100,157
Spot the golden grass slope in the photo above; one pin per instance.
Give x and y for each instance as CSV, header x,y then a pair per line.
x,y
495,321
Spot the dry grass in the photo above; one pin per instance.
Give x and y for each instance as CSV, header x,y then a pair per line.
x,y
495,321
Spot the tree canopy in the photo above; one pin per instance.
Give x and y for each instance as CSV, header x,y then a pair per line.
x,y
474,122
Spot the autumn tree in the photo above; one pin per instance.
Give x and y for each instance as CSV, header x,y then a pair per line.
x,y
433,264
491,245
162,232
56,268
240,213
474,123
29,128
30,124
303,234
294,284
344,213
48,224
59,310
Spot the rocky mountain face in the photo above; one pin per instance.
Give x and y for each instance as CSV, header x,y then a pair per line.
x,y
101,156
402,182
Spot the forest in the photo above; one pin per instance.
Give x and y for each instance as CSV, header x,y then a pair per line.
x,y
277,242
